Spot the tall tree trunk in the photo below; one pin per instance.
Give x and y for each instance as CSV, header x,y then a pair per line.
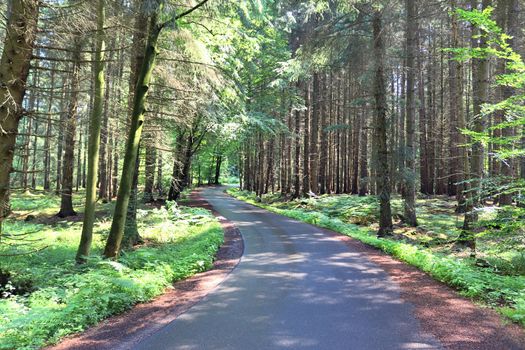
x,y
114,178
28,129
297,147
94,139
441,174
424,157
68,164
385,212
356,142
132,143
509,10
314,128
323,157
363,155
149,173
480,87
47,140
409,173
21,29
218,163
103,149
131,230
457,120
60,142
159,187
78,180
176,175
306,140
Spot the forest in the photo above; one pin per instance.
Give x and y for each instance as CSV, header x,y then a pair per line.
x,y
398,123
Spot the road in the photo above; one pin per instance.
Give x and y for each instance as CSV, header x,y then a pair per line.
x,y
295,288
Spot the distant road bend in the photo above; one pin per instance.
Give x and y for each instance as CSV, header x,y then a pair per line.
x,y
295,288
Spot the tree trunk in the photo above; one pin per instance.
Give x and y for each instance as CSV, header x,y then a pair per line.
x,y
509,8
297,147
131,231
363,156
323,157
21,28
68,164
218,163
150,160
94,139
314,128
306,140
424,157
47,141
103,147
409,173
480,89
132,143
385,213
159,187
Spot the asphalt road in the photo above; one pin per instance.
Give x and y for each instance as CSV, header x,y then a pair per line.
x,y
295,288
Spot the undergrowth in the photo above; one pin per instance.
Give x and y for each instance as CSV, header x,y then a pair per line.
x,y
63,298
503,292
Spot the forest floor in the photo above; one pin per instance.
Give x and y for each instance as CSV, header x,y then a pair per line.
x,y
45,296
496,276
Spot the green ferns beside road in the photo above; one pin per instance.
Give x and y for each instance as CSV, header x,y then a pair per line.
x,y
506,293
62,298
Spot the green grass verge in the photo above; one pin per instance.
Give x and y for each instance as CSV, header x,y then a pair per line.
x,y
65,298
505,293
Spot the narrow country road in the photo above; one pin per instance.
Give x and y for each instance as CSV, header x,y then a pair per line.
x,y
295,288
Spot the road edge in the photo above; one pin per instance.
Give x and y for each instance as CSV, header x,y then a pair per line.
x,y
124,330
455,321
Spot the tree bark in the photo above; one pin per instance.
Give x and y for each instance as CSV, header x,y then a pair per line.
x,y
66,200
112,248
385,212
409,173
218,164
363,156
21,29
94,139
297,147
306,140
47,141
314,126
510,9
149,173
480,89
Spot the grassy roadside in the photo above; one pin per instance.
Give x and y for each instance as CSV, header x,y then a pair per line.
x,y
503,292
47,296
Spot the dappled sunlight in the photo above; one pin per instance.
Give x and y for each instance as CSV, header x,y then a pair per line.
x,y
284,341
274,259
416,346
299,288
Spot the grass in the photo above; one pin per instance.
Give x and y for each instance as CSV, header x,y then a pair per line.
x,y
48,296
356,217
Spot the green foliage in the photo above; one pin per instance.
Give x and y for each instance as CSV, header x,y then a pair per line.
x,y
472,281
66,298
511,108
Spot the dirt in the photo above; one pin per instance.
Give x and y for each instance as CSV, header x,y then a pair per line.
x,y
122,331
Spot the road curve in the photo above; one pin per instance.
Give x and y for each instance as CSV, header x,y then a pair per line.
x,y
295,288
